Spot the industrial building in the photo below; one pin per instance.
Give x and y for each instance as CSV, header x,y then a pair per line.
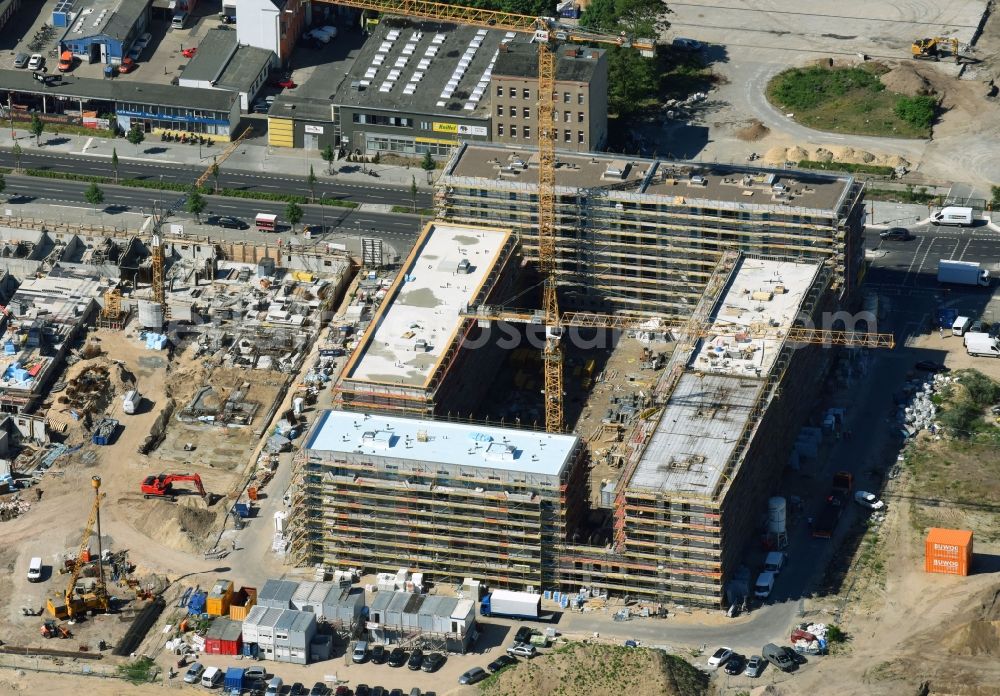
x,y
273,25
223,63
384,492
100,31
414,355
644,235
435,623
282,635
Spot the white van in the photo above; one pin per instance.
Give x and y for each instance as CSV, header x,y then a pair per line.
x,y
212,677
130,404
960,326
953,215
179,21
764,585
35,569
774,562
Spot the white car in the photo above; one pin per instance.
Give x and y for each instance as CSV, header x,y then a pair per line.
x,y
868,500
36,62
720,657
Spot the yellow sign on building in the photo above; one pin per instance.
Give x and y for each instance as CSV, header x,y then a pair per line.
x,y
445,127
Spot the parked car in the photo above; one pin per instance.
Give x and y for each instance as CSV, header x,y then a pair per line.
x,y
284,83
755,666
189,52
779,658
868,500
379,654
228,19
378,691
688,44
127,66
319,689
719,657
36,62
397,658
473,676
432,662
931,366
895,234
21,60
396,692
254,674
193,673
362,690
416,659
298,689
342,690
501,662
522,650
524,634
227,221
260,107
735,664
360,653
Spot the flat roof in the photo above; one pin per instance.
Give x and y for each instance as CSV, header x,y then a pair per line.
x,y
682,182
223,62
421,312
62,297
122,90
113,18
712,404
430,441
425,67
573,63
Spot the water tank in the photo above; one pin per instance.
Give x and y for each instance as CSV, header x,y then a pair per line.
x,y
150,314
776,515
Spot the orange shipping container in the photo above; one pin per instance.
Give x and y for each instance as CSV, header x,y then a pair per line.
x,y
242,602
948,551
219,598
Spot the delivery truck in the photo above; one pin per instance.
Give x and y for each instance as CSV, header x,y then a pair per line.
x,y
962,273
953,215
513,605
982,344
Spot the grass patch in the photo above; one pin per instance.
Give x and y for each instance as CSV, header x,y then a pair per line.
x,y
850,100
907,195
407,209
877,169
139,671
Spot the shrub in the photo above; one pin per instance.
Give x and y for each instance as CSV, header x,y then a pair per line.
x,y
835,634
983,391
917,111
961,419
878,169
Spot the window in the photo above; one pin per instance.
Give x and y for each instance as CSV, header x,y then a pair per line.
x,y
579,99
565,97
499,129
579,137
499,109
513,112
527,93
513,92
567,116
568,136
527,132
527,112
499,90
579,117
513,131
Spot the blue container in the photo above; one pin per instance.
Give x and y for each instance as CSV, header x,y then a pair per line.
x,y
234,680
243,509
196,605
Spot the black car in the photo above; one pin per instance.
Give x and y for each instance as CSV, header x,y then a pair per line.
x,y
227,221
896,234
523,635
362,690
501,662
397,658
298,689
416,659
378,691
735,664
432,662
473,676
931,366
319,689
396,692
379,654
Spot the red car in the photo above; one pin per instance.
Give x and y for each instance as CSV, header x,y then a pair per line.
x,y
284,83
189,52
127,66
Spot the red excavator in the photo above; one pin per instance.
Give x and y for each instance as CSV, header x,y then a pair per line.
x,y
162,486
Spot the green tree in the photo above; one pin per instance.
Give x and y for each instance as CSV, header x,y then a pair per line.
x,y
328,154
94,195
215,175
37,128
195,204
632,81
311,180
17,151
637,18
917,111
135,136
413,192
428,162
114,162
294,214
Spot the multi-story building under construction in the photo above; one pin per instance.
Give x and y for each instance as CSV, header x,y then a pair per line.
x,y
643,235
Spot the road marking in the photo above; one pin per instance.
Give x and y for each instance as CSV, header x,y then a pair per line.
x,y
913,260
967,243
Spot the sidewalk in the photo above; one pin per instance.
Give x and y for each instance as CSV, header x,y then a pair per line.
x,y
253,155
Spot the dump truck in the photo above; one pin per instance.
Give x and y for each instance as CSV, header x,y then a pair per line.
x,y
513,605
829,516
962,273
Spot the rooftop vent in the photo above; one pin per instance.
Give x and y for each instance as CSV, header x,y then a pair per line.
x,y
500,452
699,180
464,267
378,439
617,169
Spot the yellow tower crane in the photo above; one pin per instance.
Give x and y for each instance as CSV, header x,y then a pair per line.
x,y
70,605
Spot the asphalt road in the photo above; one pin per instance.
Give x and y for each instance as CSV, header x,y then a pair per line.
x,y
397,230
375,192
913,263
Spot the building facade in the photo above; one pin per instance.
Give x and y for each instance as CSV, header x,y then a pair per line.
x,y
274,25
101,31
581,97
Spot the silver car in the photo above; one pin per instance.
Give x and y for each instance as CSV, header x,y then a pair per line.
x,y
21,60
193,673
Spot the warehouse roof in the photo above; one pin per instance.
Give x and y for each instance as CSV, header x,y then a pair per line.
x,y
573,63
678,182
428,441
223,62
112,18
121,91
448,269
412,66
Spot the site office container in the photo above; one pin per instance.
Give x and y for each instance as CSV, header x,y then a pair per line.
x,y
948,551
242,602
219,598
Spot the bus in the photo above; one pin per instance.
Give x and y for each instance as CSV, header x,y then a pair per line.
x,y
266,222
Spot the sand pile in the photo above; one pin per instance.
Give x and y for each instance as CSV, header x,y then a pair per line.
x,y
184,525
904,79
821,154
753,131
776,155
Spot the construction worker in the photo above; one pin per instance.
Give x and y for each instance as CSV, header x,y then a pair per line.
x,y
38,494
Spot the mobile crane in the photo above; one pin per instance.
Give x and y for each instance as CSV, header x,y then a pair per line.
x,y
162,486
71,605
